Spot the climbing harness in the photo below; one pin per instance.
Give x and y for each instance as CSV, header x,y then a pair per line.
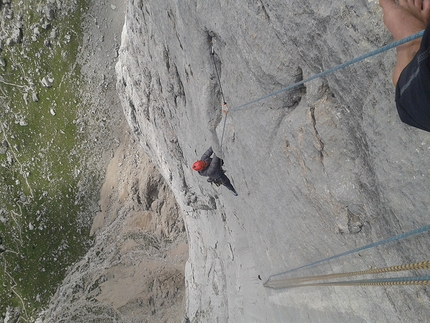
x,y
334,69
299,281
224,105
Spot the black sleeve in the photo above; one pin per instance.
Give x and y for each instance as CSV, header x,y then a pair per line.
x,y
207,154
216,162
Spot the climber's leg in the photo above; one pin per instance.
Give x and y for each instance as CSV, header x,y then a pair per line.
x,y
403,19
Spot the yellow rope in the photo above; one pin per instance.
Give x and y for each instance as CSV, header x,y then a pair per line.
x,y
284,283
371,282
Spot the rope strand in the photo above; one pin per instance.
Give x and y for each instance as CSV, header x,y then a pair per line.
x,y
223,99
334,69
217,74
375,244
284,283
393,281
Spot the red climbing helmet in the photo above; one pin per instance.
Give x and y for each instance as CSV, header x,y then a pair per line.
x,y
199,165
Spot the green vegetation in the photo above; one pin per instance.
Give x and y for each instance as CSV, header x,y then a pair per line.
x,y
44,226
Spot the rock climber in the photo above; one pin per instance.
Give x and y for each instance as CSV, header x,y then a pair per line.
x,y
212,168
411,75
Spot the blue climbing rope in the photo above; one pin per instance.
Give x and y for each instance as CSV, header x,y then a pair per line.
x,y
372,245
334,69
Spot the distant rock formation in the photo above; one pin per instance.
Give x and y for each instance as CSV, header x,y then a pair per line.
x,y
134,272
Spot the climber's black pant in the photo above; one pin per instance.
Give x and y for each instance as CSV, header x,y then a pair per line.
x,y
223,180
226,182
413,88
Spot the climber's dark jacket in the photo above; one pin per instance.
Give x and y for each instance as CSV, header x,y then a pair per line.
x,y
214,169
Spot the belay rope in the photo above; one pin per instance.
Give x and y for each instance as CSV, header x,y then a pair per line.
x,y
276,281
398,237
303,281
334,69
422,280
223,99
319,75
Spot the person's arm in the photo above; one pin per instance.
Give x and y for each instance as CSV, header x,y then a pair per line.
x,y
216,162
214,169
207,154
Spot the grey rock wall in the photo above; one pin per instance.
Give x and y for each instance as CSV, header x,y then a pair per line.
x,y
320,170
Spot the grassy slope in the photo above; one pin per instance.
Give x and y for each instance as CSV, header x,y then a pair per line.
x,y
40,170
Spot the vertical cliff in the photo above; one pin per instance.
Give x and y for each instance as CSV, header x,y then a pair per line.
x,y
319,170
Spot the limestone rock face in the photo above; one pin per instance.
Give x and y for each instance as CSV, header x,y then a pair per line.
x,y
320,170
